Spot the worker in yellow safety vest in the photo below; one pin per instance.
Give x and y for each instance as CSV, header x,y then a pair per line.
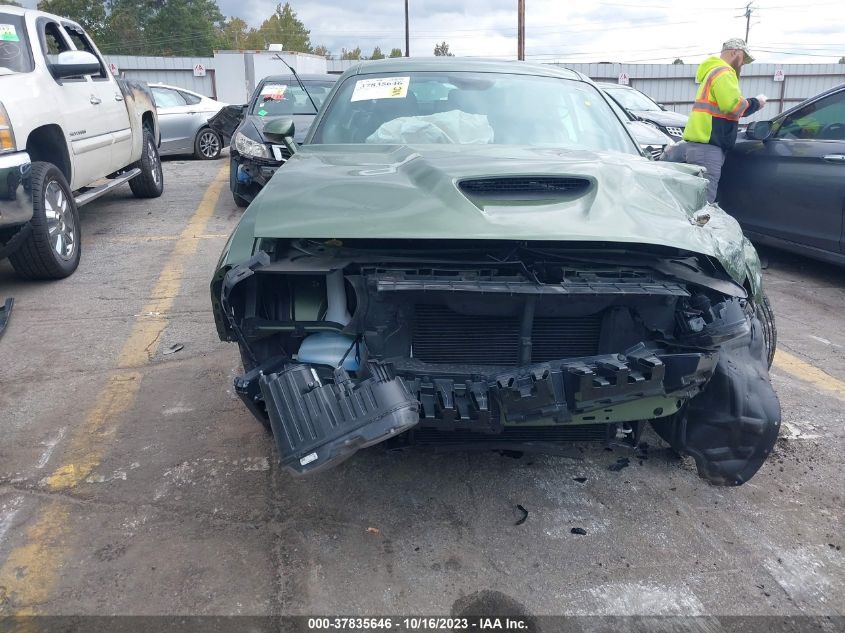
x,y
719,104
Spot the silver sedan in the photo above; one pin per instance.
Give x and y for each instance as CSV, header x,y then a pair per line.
x,y
183,117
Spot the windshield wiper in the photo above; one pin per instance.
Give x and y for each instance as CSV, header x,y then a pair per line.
x,y
299,81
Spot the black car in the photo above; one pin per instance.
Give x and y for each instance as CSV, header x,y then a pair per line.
x,y
644,108
254,157
785,181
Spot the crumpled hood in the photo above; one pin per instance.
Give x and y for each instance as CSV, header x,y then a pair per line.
x,y
394,191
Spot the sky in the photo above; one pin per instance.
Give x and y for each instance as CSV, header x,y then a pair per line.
x,y
647,31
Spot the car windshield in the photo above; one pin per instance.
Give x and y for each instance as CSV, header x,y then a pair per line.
x,y
15,56
281,97
471,108
633,100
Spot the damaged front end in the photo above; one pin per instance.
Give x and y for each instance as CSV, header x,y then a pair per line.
x,y
502,343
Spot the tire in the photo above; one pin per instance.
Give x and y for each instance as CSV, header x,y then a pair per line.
x,y
208,144
233,184
150,182
54,246
770,333
240,201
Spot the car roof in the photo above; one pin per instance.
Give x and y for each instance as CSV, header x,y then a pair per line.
x,y
302,76
13,10
471,64
158,84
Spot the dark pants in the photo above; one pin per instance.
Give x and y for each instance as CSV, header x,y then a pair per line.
x,y
711,157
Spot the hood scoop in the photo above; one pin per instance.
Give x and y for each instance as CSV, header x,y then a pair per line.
x,y
538,189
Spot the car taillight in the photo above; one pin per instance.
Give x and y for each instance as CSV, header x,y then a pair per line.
x,y
7,137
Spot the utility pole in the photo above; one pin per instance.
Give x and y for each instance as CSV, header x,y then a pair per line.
x,y
407,33
747,15
520,39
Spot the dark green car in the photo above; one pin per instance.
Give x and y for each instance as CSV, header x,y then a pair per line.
x,y
476,253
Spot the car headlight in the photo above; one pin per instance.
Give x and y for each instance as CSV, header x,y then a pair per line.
x,y
7,137
248,147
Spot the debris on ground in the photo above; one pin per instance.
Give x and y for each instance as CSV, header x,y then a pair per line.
x,y
622,462
579,530
5,314
580,480
524,514
176,347
373,530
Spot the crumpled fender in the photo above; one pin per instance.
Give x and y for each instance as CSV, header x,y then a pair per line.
x,y
731,427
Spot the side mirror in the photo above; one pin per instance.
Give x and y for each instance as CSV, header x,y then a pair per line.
x,y
661,106
75,64
281,130
759,130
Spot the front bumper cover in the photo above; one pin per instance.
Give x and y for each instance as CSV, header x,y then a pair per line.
x,y
318,425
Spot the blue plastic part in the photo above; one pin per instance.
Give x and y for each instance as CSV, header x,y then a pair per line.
x,y
328,348
243,175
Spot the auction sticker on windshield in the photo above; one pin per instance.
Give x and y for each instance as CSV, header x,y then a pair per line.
x,y
273,92
383,88
8,33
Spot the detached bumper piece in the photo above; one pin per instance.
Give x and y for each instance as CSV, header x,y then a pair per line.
x,y
317,426
732,427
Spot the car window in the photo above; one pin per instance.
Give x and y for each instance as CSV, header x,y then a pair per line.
x,y
82,43
54,41
633,99
279,98
15,56
167,98
189,98
822,120
471,108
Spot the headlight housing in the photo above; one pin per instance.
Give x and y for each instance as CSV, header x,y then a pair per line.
x,y
249,147
7,136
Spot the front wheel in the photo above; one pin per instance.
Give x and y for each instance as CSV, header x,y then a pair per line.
x,y
766,316
53,247
208,144
150,182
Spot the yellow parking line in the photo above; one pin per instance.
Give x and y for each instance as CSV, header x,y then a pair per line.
x,y
808,373
30,570
135,239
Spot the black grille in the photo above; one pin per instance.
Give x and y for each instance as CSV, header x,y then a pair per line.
x,y
524,187
443,336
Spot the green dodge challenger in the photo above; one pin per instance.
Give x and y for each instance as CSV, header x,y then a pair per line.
x,y
476,253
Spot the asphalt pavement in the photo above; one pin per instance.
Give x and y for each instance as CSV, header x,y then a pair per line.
x,y
133,481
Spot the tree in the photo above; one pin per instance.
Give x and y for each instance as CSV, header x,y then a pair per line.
x,y
283,27
842,60
442,50
679,61
124,30
184,27
90,14
377,54
13,3
234,34
395,52
322,51
355,53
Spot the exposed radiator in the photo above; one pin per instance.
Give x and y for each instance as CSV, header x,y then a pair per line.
x,y
443,336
